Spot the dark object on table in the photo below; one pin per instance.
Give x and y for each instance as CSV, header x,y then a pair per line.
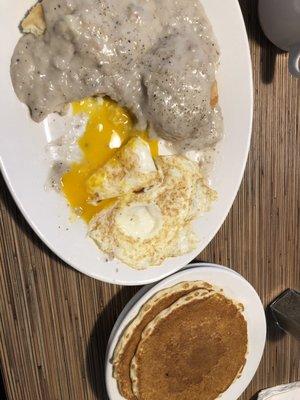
x,y
286,312
2,390
280,22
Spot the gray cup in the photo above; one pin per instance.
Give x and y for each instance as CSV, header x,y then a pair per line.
x,y
280,20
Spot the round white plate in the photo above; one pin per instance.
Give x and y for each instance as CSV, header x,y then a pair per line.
x,y
25,168
235,287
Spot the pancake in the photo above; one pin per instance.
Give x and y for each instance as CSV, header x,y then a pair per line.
x,y
128,343
192,350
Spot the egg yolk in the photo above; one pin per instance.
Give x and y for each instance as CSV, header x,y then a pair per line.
x,y
109,126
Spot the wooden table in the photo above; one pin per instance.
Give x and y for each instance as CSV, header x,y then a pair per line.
x,y
55,322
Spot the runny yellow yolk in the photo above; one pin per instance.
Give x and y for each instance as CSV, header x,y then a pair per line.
x,y
109,127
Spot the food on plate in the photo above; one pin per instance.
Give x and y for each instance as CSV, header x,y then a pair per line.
x,y
34,22
188,341
131,169
192,350
141,81
143,229
107,127
179,80
156,58
128,343
139,206
214,95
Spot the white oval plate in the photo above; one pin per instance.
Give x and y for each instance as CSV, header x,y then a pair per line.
x,y
25,169
235,287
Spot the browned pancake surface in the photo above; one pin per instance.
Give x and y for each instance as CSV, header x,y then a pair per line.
x,y
194,353
122,367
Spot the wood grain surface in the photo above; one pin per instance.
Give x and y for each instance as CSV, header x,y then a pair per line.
x,y
55,322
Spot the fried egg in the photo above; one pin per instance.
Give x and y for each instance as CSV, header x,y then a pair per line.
x,y
108,127
139,205
143,229
131,169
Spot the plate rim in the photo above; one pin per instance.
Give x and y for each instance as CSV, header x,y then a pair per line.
x,y
143,295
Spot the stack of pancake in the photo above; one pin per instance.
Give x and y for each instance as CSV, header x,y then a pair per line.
x,y
187,342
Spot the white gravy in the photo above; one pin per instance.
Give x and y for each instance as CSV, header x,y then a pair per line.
x,y
156,57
